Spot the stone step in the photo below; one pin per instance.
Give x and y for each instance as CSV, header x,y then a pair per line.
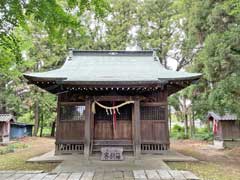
x,y
110,174
125,144
125,149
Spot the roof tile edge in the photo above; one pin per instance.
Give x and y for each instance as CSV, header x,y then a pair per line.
x,y
112,53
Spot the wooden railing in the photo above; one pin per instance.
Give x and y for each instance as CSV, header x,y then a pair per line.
x,y
154,148
69,148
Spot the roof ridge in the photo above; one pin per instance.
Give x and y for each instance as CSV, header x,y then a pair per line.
x,y
112,52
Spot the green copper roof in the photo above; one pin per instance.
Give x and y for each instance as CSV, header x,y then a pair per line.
x,y
91,67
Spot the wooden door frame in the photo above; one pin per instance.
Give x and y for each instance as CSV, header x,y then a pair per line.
x,y
106,98
136,126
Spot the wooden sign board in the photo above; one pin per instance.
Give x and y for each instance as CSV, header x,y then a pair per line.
x,y
112,154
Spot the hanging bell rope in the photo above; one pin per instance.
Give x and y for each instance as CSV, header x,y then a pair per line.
x,y
109,109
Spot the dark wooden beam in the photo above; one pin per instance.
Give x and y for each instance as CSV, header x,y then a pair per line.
x,y
87,128
112,98
137,128
133,129
167,123
57,121
72,103
92,129
153,103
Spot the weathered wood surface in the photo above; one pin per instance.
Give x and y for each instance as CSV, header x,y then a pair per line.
x,y
67,130
137,126
229,130
136,129
98,175
154,130
103,130
87,128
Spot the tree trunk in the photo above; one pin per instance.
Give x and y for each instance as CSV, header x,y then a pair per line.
x,y
41,128
36,116
193,123
186,125
191,126
53,128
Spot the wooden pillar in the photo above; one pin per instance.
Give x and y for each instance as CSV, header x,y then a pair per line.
x,y
87,128
57,125
137,128
92,129
168,129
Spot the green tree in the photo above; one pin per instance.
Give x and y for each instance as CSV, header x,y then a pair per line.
x,y
215,26
155,27
33,37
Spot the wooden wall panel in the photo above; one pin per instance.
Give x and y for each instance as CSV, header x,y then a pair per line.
x,y
219,134
70,130
123,130
103,130
160,131
160,96
154,118
236,130
230,130
154,131
146,130
71,97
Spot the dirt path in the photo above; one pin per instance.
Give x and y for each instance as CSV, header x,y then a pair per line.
x,y
214,164
205,152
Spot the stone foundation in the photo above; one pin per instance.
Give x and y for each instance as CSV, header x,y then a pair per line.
x,y
221,144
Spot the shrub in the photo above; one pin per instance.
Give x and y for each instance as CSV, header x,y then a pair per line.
x,y
12,147
177,132
203,134
177,128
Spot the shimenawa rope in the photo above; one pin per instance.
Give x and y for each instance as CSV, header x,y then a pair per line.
x,y
109,109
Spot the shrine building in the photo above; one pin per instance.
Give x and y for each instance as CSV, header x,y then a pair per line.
x,y
112,99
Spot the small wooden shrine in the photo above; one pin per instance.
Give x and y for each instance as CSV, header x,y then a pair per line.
x,y
226,129
112,99
5,122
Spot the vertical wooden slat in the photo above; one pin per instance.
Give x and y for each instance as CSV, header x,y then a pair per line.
x,y
87,128
137,137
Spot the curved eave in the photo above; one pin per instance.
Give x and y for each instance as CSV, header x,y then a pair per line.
x,y
56,84
41,78
64,80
